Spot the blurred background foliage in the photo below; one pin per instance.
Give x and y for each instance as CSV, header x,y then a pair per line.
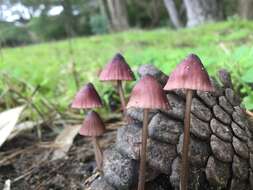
x,y
57,51
31,21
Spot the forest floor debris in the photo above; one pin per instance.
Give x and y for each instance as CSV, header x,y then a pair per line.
x,y
27,162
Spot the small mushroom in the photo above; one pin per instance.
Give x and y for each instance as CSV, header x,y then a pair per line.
x,y
118,70
146,94
191,75
93,127
87,98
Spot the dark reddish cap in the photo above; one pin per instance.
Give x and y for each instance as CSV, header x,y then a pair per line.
x,y
87,97
189,74
148,93
117,69
92,125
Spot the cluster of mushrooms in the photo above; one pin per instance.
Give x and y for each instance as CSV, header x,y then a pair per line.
x,y
190,75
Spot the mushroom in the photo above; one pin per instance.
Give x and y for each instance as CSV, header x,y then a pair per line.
x,y
93,127
87,98
118,70
146,94
191,75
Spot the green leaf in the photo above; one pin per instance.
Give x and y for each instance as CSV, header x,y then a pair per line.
x,y
248,76
248,102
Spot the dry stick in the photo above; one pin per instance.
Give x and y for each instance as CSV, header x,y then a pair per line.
x,y
249,113
141,182
49,105
98,153
122,97
186,142
29,101
27,173
16,152
9,157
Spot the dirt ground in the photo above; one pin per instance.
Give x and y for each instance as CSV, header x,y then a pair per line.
x,y
26,161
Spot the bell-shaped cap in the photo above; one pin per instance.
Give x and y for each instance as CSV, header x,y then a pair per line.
x,y
189,74
116,69
92,125
87,98
148,93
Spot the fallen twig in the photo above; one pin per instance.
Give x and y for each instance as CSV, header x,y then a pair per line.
x,y
22,127
27,173
249,113
7,157
92,178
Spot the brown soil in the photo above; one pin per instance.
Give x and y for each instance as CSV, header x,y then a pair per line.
x,y
26,162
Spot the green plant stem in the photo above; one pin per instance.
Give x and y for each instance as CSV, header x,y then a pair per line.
x,y
142,171
186,142
98,153
122,96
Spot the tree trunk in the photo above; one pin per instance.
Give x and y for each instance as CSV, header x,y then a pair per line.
x,y
173,13
69,18
155,9
118,14
201,11
104,12
245,9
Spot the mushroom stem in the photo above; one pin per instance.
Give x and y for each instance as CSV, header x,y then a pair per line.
x,y
186,142
98,153
141,182
121,94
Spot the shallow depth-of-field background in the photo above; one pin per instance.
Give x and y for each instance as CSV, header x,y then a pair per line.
x,y
49,49
48,65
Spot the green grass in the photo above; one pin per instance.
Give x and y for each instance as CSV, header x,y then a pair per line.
x,y
222,45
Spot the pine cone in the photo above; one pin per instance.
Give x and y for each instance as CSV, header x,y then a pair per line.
x,y
221,148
